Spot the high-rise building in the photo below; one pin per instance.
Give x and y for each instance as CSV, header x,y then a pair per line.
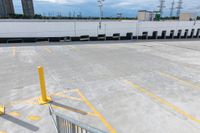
x,y
28,7
3,12
10,7
6,8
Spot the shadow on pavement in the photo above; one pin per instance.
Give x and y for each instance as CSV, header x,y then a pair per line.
x,y
69,108
20,122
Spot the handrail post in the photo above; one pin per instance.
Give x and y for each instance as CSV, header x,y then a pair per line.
x,y
44,99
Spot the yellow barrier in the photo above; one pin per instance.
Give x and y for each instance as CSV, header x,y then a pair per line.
x,y
44,99
2,110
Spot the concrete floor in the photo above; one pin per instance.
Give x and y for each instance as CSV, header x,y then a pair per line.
x,y
136,87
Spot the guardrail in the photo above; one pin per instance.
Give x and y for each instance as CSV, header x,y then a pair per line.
x,y
64,124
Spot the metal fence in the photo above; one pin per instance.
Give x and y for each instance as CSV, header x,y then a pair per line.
x,y
64,124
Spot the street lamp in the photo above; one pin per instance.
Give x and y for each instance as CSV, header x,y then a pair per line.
x,y
101,11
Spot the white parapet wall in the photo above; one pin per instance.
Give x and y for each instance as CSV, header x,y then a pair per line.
x,y
61,28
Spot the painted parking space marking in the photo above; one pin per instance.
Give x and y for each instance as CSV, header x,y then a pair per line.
x,y
34,118
94,113
33,100
100,116
68,97
162,101
48,50
14,114
3,132
183,81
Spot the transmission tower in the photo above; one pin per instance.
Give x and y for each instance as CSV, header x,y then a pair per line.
x,y
161,7
172,9
179,7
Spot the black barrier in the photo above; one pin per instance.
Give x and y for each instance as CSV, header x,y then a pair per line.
x,y
154,35
134,37
144,35
109,38
192,33
75,38
3,40
116,36
129,36
54,39
84,38
163,35
31,40
93,38
40,39
101,37
185,34
15,40
197,34
178,34
67,39
171,35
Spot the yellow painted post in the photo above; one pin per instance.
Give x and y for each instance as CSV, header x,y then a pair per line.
x,y
44,99
2,110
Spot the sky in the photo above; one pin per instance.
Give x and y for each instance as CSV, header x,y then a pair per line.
x,y
128,8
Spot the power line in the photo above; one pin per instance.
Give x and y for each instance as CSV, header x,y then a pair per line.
x,y
179,7
161,7
172,9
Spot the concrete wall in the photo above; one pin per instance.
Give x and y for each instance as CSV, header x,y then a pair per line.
x,y
14,29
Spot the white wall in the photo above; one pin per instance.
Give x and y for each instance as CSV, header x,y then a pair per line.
x,y
77,28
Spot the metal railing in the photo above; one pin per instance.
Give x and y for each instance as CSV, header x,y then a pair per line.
x,y
64,124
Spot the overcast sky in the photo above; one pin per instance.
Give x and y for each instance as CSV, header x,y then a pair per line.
x,y
111,7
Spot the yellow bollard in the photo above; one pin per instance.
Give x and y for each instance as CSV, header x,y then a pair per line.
x,y
44,99
2,110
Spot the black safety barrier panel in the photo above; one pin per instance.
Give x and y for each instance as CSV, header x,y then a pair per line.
x,y
101,37
75,38
54,39
144,35
93,38
171,35
129,36
197,34
154,35
66,39
116,36
163,35
15,40
178,34
185,34
192,33
41,39
85,38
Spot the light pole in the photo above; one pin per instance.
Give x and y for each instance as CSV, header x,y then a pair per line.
x,y
101,11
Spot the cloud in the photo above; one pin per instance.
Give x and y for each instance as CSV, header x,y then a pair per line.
x,y
122,4
68,2
129,3
111,7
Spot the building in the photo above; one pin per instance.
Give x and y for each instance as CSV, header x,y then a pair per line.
x,y
6,8
10,7
28,8
187,17
3,12
144,15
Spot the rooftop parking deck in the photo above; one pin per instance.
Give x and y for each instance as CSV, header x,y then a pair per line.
x,y
127,87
